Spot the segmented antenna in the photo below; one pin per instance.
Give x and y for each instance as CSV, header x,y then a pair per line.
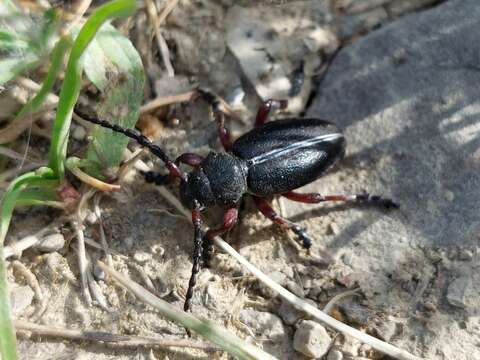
x,y
138,137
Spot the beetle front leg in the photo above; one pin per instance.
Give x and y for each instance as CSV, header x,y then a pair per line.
x,y
265,208
363,198
219,116
266,108
229,220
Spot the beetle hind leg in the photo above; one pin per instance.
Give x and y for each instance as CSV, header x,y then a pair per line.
x,y
265,208
362,198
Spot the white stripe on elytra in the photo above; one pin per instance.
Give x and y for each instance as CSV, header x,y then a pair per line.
x,y
298,145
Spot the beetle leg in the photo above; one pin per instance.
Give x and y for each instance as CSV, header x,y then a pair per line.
x,y
191,159
265,109
229,220
363,198
265,208
197,254
219,117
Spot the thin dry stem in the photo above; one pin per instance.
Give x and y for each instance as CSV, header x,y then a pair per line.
x,y
162,44
109,338
333,301
103,240
171,4
166,100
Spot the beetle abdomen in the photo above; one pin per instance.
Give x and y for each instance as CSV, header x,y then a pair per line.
x,y
285,154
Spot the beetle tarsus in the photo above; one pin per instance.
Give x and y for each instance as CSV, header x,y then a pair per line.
x,y
376,200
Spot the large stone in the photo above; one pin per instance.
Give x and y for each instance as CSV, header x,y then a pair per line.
x,y
407,97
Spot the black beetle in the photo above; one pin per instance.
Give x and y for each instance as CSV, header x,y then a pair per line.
x,y
272,159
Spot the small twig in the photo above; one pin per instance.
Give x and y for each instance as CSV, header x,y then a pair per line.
x,y
143,275
109,338
162,44
166,100
333,301
32,281
128,164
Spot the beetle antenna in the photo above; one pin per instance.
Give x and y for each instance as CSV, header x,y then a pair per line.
x,y
139,138
197,253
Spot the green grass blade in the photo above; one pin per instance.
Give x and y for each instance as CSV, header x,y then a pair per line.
x,y
7,334
56,62
72,82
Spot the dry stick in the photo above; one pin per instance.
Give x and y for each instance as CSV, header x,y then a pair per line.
x,y
109,338
4,151
32,281
375,343
162,44
82,259
208,329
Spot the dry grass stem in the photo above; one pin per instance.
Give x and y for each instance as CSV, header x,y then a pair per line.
x,y
320,316
118,340
333,301
162,44
103,239
171,4
166,100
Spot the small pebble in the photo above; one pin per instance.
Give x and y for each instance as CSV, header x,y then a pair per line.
x,y
20,298
79,133
311,339
261,322
51,243
98,273
142,256
465,254
335,355
456,292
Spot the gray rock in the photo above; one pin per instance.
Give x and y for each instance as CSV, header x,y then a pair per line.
x,y
51,243
311,339
407,99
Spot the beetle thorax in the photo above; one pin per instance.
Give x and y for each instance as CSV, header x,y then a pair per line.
x,y
221,179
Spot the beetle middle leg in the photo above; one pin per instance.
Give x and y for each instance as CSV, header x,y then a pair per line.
x,y
266,108
363,198
264,207
204,246
219,116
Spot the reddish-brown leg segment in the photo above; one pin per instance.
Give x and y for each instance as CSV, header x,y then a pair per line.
x,y
191,159
268,212
364,198
219,116
202,241
229,220
266,108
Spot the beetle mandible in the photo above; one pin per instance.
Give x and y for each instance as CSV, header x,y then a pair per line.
x,y
274,158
